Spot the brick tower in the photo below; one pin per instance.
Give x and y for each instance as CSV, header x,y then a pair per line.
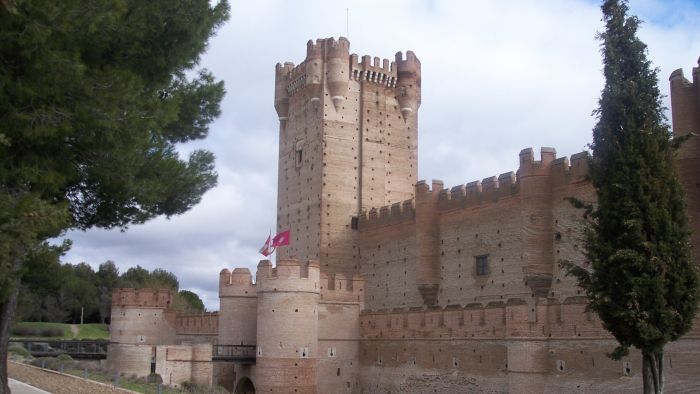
x,y
685,101
348,143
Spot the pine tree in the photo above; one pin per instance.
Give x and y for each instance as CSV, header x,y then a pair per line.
x,y
643,283
94,98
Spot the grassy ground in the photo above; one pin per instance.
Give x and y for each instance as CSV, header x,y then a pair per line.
x,y
92,331
124,382
85,331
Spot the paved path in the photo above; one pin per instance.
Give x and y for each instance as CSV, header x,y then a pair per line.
x,y
23,388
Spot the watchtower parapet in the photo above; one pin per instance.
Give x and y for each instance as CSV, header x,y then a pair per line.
x,y
144,298
381,72
287,276
238,283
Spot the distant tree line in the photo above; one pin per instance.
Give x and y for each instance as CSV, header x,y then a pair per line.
x,y
58,292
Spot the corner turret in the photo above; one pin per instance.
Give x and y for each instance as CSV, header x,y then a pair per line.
x,y
281,94
338,69
409,83
314,71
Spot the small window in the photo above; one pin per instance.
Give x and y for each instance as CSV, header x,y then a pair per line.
x,y
299,157
482,265
355,223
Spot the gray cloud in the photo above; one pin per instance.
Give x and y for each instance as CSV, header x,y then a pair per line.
x,y
498,76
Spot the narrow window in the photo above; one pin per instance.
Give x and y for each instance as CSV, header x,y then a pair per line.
x,y
355,223
299,157
482,265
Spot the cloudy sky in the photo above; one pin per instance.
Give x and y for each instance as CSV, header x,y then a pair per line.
x,y
497,77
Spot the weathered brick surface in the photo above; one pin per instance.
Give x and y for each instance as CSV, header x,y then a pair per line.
x,y
177,364
58,383
129,359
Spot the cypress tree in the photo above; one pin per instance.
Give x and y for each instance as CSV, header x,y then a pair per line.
x,y
643,283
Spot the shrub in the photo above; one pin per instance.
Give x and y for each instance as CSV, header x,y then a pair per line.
x,y
52,332
49,363
65,357
194,387
154,378
23,331
19,350
91,366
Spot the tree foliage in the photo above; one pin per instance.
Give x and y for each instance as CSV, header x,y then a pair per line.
x,y
643,283
59,293
94,97
188,302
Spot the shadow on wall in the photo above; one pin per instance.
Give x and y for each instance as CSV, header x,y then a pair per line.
x,y
245,386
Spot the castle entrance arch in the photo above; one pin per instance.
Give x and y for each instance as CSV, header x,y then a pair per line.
x,y
245,386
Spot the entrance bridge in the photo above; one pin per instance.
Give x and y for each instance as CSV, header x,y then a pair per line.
x,y
244,354
97,350
79,350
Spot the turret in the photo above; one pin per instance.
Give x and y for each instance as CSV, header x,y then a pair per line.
x,y
408,85
338,68
535,179
685,104
685,110
238,300
281,94
287,339
428,240
314,71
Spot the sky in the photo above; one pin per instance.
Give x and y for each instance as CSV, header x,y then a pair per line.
x,y
497,77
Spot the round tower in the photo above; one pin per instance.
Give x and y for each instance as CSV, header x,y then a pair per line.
x,y
338,68
238,307
428,240
287,337
314,71
408,84
535,179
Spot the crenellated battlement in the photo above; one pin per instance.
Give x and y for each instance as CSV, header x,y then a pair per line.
x,y
340,289
144,298
563,172
288,276
387,215
514,318
381,72
197,323
238,283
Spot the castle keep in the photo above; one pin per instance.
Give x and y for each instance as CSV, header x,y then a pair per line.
x,y
391,284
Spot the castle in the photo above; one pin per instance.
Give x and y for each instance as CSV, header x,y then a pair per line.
x,y
391,284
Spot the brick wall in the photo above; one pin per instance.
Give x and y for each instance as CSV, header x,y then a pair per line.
x,y
177,364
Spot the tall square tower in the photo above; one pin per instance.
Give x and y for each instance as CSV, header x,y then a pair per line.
x,y
348,143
